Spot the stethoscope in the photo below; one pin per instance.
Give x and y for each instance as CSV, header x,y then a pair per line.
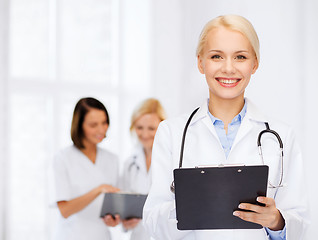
x,y
134,163
267,130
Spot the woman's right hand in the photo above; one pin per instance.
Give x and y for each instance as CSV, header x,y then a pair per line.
x,y
105,188
131,223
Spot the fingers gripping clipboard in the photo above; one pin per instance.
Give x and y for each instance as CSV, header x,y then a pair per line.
x,y
206,197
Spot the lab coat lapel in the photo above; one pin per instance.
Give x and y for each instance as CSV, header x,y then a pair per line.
x,y
202,115
244,129
208,123
202,118
252,115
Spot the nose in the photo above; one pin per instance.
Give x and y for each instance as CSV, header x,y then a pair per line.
x,y
228,66
144,133
102,129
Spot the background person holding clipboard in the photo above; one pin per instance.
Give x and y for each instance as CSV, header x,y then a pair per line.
x,y
80,175
225,130
136,175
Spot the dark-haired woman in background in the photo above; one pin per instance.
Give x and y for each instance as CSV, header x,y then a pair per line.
x,y
81,172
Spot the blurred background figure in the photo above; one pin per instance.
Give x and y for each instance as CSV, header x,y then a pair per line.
x,y
81,172
136,175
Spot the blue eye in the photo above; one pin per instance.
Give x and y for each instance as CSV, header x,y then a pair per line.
x,y
240,57
216,57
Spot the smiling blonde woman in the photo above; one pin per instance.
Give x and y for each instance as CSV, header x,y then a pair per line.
x,y
224,131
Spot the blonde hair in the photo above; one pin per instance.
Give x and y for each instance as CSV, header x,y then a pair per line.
x,y
148,106
232,22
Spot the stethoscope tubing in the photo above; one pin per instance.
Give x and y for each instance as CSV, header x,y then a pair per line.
x,y
184,136
267,130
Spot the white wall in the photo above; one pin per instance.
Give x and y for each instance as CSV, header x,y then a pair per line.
x,y
167,53
3,109
285,84
134,63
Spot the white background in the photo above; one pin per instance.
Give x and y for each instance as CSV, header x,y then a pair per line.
x,y
153,54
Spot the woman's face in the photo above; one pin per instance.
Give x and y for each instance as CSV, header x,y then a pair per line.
x,y
146,127
94,126
228,61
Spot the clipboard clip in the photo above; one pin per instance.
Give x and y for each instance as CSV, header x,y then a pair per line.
x,y
221,165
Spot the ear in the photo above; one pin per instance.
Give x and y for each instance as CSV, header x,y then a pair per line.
x,y
200,64
255,67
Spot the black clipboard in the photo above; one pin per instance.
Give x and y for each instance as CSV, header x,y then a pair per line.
x,y
127,205
206,197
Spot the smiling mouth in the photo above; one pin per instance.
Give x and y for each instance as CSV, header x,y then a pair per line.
x,y
228,80
100,136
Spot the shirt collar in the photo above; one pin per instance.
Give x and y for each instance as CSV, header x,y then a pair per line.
x,y
238,118
252,113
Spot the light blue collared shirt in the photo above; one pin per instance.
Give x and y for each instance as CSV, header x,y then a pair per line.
x,y
228,139
227,142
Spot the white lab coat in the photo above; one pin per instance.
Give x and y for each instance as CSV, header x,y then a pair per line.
x,y
72,174
137,179
202,147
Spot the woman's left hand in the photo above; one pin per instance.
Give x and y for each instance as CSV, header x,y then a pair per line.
x,y
267,216
111,221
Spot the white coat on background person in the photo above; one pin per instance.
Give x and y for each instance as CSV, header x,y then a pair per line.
x,y
228,55
137,179
81,173
74,176
137,175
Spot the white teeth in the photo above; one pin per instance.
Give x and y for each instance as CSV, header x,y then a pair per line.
x,y
227,81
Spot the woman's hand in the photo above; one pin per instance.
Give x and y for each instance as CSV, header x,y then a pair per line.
x,y
111,221
105,188
267,216
131,223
